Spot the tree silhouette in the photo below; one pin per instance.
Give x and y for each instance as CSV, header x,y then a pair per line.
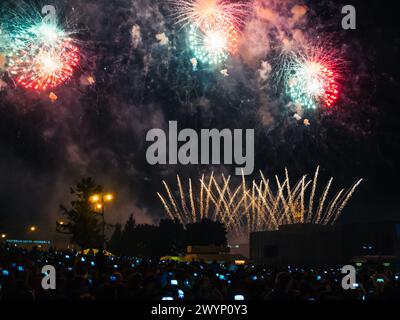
x,y
170,237
115,243
206,232
145,243
83,224
128,239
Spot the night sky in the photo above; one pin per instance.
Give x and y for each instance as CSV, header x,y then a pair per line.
x,y
142,83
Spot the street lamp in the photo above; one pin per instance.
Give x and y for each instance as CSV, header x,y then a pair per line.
x,y
94,198
59,225
98,201
62,228
32,228
3,236
108,197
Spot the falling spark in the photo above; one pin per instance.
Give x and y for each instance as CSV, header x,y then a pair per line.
x,y
53,97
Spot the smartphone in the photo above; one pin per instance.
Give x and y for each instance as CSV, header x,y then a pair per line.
x,y
92,263
167,298
355,286
174,282
83,259
5,273
380,280
254,278
21,269
319,278
113,278
181,294
239,297
221,277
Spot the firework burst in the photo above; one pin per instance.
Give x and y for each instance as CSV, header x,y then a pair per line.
x,y
208,13
42,68
214,44
41,55
257,206
312,84
213,27
312,74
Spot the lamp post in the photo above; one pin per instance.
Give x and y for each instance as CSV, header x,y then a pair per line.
x,y
99,201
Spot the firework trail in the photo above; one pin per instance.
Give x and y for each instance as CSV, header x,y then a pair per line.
x,y
256,206
42,55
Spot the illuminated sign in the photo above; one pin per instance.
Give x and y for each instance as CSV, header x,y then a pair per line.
x,y
45,242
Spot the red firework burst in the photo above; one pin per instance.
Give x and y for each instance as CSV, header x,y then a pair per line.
x,y
43,67
329,92
313,76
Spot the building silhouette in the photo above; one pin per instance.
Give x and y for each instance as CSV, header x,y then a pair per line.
x,y
319,245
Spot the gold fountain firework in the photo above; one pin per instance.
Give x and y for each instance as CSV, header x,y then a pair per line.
x,y
260,205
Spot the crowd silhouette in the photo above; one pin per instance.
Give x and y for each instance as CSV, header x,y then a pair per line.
x,y
101,277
